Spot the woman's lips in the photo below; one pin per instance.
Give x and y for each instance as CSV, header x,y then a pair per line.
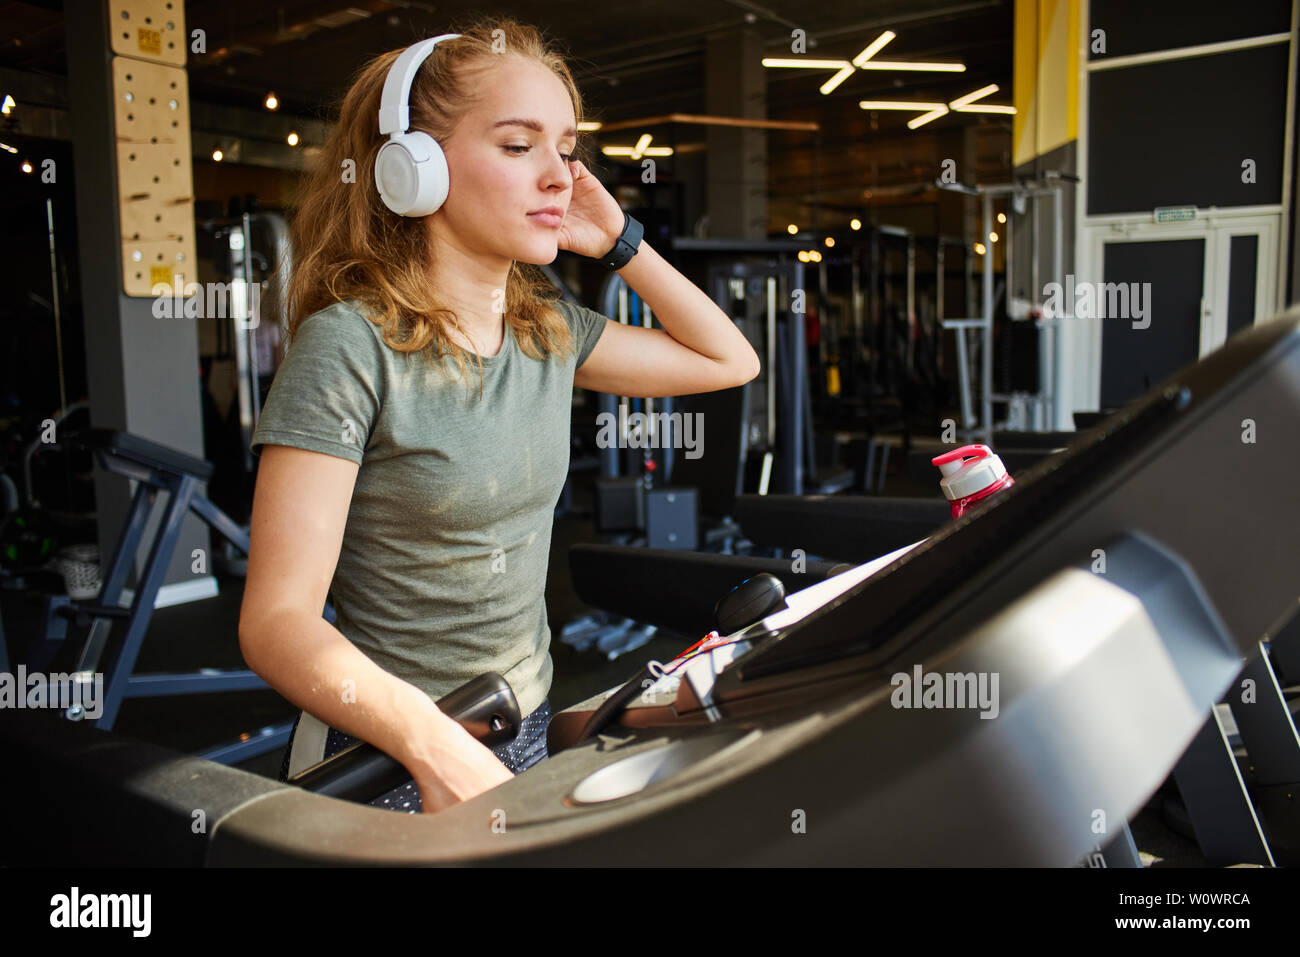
x,y
547,219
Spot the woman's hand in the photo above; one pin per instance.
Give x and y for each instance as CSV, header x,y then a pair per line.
x,y
455,767
594,220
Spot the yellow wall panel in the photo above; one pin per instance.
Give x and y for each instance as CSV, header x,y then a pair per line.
x,y
1024,81
1045,65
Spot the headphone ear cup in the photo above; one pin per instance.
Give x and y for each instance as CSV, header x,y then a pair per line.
x,y
411,174
435,179
395,176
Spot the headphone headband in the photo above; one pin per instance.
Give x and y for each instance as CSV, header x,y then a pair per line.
x,y
394,108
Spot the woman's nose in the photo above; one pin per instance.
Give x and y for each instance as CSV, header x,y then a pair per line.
x,y
560,172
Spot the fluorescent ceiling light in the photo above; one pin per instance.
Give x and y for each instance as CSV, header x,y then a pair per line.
x,y
967,104
630,151
800,62
837,79
875,48
863,61
898,105
932,111
972,97
642,148
902,65
926,117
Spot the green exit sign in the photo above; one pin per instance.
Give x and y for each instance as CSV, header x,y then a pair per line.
x,y
1175,214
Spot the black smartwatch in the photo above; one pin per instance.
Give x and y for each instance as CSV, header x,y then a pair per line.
x,y
627,244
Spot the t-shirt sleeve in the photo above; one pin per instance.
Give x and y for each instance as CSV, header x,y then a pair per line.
x,y
326,393
587,326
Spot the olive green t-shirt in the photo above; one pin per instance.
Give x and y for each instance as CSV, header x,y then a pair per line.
x,y
442,571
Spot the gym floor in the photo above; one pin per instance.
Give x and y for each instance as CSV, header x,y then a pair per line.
x,y
203,635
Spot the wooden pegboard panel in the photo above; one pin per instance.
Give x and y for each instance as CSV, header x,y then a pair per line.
x,y
154,174
148,29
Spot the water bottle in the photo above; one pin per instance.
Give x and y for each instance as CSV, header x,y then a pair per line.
x,y
970,474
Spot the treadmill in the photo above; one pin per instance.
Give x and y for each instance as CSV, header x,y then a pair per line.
x,y
1080,627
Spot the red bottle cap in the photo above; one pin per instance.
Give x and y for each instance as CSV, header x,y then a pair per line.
x,y
968,470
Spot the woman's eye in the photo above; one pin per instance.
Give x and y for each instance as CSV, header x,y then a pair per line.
x,y
568,157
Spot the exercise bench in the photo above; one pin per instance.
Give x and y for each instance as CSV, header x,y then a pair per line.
x,y
113,651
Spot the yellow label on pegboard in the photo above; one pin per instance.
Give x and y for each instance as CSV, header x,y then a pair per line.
x,y
149,42
148,30
160,274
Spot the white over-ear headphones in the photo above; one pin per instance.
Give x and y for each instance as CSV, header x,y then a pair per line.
x,y
410,169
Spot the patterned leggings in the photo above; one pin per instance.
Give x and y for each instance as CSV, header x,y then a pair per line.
x,y
527,749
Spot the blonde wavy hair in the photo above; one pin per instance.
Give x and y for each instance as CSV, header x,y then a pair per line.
x,y
348,245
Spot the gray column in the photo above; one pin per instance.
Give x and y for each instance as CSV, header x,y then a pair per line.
x,y
735,85
142,372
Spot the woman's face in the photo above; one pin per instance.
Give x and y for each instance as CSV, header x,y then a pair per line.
x,y
502,171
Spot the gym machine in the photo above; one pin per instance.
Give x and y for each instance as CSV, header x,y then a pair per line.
x,y
639,459
649,492
790,740
88,626
248,249
769,302
884,363
1040,409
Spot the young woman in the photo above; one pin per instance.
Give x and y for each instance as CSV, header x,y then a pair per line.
x,y
420,495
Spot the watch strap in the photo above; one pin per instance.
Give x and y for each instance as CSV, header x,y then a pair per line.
x,y
626,246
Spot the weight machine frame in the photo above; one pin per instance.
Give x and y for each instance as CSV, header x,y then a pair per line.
x,y
1047,399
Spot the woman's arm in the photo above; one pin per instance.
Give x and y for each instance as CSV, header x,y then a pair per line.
x,y
300,508
699,348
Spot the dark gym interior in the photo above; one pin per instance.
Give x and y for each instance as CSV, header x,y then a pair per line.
x,y
1018,275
